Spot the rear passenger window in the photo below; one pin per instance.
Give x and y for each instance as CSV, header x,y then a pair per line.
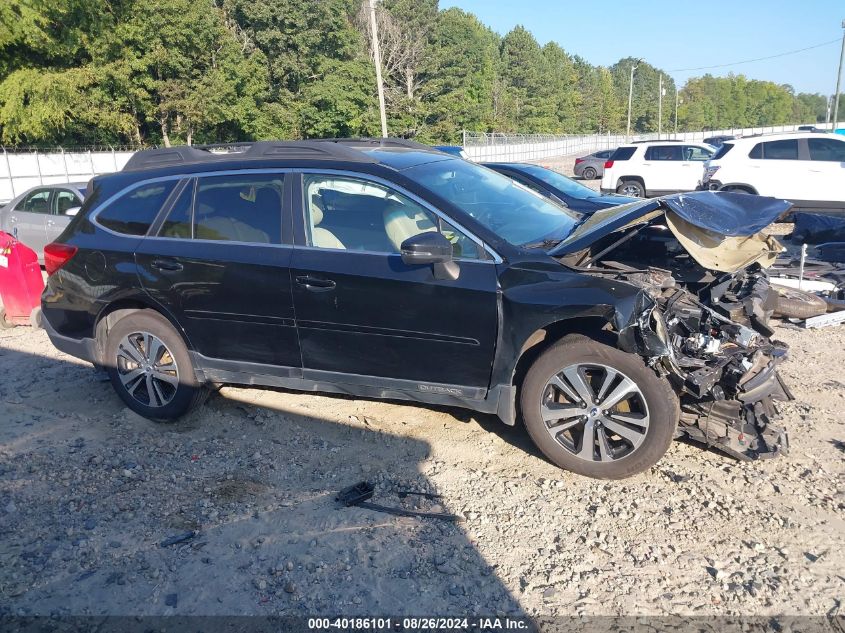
x,y
786,149
692,152
827,149
664,152
239,209
134,211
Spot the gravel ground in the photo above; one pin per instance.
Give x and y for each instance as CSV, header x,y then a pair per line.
x,y
89,490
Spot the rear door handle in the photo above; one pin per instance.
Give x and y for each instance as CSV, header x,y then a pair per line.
x,y
166,265
315,284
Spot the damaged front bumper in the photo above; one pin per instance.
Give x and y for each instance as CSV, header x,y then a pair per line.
x,y
724,371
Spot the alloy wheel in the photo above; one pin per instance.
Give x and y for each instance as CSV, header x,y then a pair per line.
x,y
595,412
147,369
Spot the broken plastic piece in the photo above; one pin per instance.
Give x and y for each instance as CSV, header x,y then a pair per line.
x,y
359,494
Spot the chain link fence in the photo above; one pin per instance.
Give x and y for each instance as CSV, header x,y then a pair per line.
x,y
506,147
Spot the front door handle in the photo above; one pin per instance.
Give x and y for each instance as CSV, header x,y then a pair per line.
x,y
315,284
166,265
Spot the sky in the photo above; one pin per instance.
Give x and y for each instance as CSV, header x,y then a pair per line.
x,y
686,34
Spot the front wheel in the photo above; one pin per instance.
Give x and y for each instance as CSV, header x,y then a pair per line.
x,y
632,188
150,369
598,411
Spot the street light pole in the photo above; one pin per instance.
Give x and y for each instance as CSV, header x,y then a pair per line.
x,y
838,77
630,97
660,106
377,59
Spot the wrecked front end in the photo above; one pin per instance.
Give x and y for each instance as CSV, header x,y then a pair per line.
x,y
702,321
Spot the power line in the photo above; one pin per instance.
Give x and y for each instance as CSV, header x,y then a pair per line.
x,y
759,59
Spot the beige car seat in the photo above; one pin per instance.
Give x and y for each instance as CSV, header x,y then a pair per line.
x,y
402,222
323,238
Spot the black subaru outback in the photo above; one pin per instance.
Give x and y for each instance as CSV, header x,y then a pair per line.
x,y
382,268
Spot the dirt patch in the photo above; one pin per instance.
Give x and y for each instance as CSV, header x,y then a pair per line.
x,y
88,492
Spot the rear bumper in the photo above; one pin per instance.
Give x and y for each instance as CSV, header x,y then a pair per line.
x,y
84,348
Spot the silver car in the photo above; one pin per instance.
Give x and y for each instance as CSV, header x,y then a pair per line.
x,y
39,215
591,166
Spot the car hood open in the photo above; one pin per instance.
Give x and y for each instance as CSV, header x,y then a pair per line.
x,y
721,231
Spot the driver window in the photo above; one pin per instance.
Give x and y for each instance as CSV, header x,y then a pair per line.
x,y
360,215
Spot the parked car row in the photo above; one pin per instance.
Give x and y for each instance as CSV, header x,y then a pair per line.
x,y
384,268
39,215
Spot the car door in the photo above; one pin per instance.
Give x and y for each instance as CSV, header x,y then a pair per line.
x,y
663,170
28,220
219,261
366,317
62,200
827,169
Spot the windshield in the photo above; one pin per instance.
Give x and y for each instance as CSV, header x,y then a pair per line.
x,y
559,182
512,211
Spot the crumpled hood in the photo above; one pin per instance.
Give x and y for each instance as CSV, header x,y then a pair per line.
x,y
720,230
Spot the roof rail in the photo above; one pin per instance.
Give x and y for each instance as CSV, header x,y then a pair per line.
x,y
370,141
302,150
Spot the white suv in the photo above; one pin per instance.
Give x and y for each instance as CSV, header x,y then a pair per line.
x,y
655,168
807,169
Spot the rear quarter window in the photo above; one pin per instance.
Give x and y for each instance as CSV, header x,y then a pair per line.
x,y
623,153
723,150
134,212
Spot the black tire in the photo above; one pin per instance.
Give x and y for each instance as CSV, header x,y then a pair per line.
x,y
5,324
660,404
178,398
737,190
797,304
589,174
631,188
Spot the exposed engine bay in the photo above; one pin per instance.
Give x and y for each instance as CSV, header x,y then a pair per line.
x,y
705,329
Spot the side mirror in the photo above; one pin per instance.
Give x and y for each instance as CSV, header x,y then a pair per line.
x,y
431,248
72,211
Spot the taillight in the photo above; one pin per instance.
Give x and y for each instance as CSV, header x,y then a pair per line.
x,y
57,255
608,164
579,160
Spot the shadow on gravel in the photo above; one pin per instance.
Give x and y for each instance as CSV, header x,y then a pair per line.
x,y
89,491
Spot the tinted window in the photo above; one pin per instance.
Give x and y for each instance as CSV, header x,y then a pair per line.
x,y
623,153
508,209
777,150
35,202
179,220
64,200
134,211
361,215
664,152
827,149
724,149
756,152
604,154
239,209
560,182
693,152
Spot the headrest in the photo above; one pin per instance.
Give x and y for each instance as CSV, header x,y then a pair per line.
x,y
316,208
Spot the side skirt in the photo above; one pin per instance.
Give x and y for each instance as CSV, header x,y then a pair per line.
x,y
499,400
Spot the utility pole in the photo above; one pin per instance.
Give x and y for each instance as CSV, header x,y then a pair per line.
x,y
838,77
377,59
660,106
630,97
676,110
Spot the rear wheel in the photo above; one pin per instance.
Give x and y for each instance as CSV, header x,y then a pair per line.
x,y
632,188
149,367
596,410
589,174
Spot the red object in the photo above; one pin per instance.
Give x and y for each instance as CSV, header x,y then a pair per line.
x,y
608,164
21,282
57,255
579,160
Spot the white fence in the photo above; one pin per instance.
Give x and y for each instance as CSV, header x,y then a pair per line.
x,y
496,146
21,170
